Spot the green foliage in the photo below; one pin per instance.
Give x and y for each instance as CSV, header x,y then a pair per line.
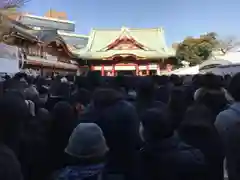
x,y
196,50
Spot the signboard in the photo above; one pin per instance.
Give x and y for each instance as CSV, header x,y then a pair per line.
x,y
9,60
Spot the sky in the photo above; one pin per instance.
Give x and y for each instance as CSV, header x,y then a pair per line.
x,y
178,18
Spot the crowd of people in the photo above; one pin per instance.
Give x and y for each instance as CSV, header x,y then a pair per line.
x,y
120,128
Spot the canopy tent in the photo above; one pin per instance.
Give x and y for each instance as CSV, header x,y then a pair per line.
x,y
227,59
232,57
228,63
186,71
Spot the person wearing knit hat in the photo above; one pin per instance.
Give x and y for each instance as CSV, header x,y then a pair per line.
x,y
87,148
87,141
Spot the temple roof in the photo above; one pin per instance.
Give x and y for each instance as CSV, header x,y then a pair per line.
x,y
101,44
152,41
11,31
14,33
74,42
71,42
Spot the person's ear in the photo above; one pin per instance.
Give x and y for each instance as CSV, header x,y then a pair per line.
x,y
79,107
141,132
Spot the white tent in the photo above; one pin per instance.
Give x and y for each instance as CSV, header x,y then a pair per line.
x,y
222,64
233,57
186,71
226,59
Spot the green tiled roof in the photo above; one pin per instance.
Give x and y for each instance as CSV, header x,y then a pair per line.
x,y
153,39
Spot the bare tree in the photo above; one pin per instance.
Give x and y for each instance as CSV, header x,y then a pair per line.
x,y
6,4
227,44
10,7
175,46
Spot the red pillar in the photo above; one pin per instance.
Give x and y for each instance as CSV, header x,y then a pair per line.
x,y
137,69
102,70
169,67
158,69
113,70
147,69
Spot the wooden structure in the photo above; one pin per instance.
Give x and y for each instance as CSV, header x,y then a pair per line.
x,y
142,51
50,54
39,49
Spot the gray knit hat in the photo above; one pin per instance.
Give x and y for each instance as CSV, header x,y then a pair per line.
x,y
87,141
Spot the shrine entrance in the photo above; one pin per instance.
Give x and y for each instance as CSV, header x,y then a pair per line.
x,y
126,65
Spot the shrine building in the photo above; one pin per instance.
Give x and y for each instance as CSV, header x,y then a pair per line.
x,y
128,50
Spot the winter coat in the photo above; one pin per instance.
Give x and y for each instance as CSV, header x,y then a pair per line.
x,y
119,121
171,159
9,165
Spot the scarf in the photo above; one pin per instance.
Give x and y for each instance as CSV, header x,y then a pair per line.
x,y
79,172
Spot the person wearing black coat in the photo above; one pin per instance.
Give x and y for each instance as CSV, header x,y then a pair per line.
x,y
164,156
198,130
119,122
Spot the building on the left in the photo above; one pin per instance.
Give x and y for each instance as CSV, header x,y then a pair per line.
x,y
47,43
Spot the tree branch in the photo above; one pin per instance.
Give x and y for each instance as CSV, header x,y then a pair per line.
x,y
9,4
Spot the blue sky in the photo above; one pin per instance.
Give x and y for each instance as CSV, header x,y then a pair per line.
x,y
179,18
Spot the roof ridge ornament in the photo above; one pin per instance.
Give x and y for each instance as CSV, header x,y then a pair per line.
x,y
124,28
125,33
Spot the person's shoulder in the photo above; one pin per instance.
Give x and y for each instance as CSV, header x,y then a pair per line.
x,y
125,105
225,115
159,104
185,149
6,153
190,159
9,165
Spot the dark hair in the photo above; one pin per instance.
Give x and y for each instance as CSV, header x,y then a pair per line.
x,y
43,90
145,87
161,80
20,75
13,115
156,124
176,80
177,105
199,112
212,81
105,97
234,87
82,96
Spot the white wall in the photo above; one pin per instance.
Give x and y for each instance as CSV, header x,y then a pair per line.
x,y
9,66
